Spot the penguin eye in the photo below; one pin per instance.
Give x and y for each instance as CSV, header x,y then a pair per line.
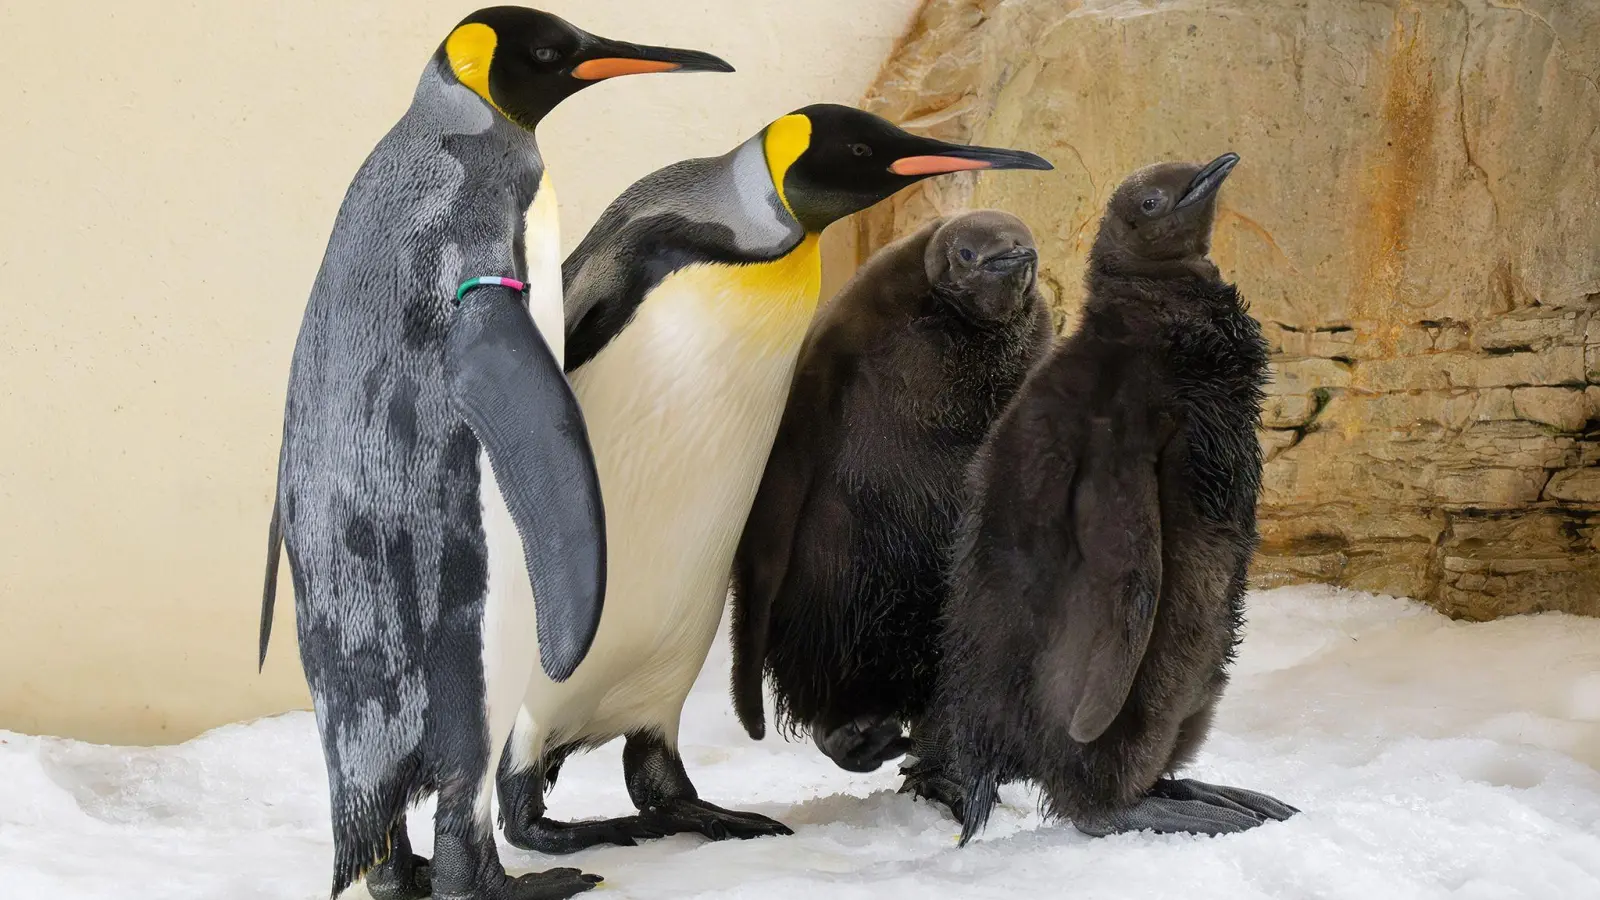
x,y
860,149
967,255
1151,204
546,55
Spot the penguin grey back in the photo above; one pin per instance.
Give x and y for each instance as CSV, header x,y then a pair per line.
x,y
718,209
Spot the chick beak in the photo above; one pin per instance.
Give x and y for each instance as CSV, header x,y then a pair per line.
x,y
1013,259
1208,180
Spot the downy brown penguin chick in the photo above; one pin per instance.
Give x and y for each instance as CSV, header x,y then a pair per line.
x,y
840,577
1099,573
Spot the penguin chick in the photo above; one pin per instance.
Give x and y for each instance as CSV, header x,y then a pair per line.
x,y
436,493
840,574
1099,574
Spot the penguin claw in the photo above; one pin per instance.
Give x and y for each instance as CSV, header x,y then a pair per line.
x,y
935,786
714,822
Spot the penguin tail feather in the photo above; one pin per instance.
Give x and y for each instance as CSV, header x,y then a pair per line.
x,y
749,639
752,714
356,852
269,591
364,830
983,792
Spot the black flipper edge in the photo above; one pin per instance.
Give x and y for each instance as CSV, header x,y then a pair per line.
x,y
269,591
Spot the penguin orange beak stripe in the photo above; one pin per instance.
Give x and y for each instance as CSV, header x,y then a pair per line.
x,y
935,165
612,66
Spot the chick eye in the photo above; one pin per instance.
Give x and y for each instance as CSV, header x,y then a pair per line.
x,y
546,55
1151,204
966,255
860,149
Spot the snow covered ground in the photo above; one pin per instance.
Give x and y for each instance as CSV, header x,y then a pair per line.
x,y
1431,759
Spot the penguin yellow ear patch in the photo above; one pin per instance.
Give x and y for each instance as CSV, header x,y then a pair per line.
x,y
786,139
470,50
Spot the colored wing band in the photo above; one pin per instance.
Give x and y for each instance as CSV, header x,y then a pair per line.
x,y
489,280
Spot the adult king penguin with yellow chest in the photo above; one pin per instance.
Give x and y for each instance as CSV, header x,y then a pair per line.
x,y
436,493
686,307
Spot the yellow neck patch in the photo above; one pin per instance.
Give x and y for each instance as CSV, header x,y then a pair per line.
x,y
470,49
765,307
786,139
799,271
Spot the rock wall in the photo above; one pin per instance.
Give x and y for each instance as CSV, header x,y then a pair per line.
x,y
1416,222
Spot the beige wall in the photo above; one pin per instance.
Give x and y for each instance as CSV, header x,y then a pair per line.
x,y
172,170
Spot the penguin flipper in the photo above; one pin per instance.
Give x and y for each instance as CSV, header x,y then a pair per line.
x,y
783,500
1111,600
759,568
269,591
510,389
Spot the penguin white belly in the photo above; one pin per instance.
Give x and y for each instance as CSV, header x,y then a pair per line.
x,y
510,643
682,408
542,243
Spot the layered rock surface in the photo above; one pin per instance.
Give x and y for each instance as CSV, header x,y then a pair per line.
x,y
1416,222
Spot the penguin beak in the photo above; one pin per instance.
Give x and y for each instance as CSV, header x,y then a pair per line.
x,y
1010,260
1208,180
608,59
940,157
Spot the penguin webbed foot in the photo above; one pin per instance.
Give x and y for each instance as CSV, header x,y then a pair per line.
x,y
691,816
554,884
467,868
544,835
1185,806
932,783
864,743
1237,798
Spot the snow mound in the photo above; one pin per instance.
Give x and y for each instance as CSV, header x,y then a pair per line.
x,y
1431,758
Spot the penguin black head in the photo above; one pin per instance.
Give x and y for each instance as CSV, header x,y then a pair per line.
x,y
984,264
828,161
1164,211
524,62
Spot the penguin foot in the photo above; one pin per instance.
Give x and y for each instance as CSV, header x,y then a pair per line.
x,y
544,835
931,783
556,884
714,822
468,868
1183,806
1234,798
400,877
864,743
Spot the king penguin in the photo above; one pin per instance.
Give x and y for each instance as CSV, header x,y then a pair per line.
x,y
840,576
686,307
436,492
1099,576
